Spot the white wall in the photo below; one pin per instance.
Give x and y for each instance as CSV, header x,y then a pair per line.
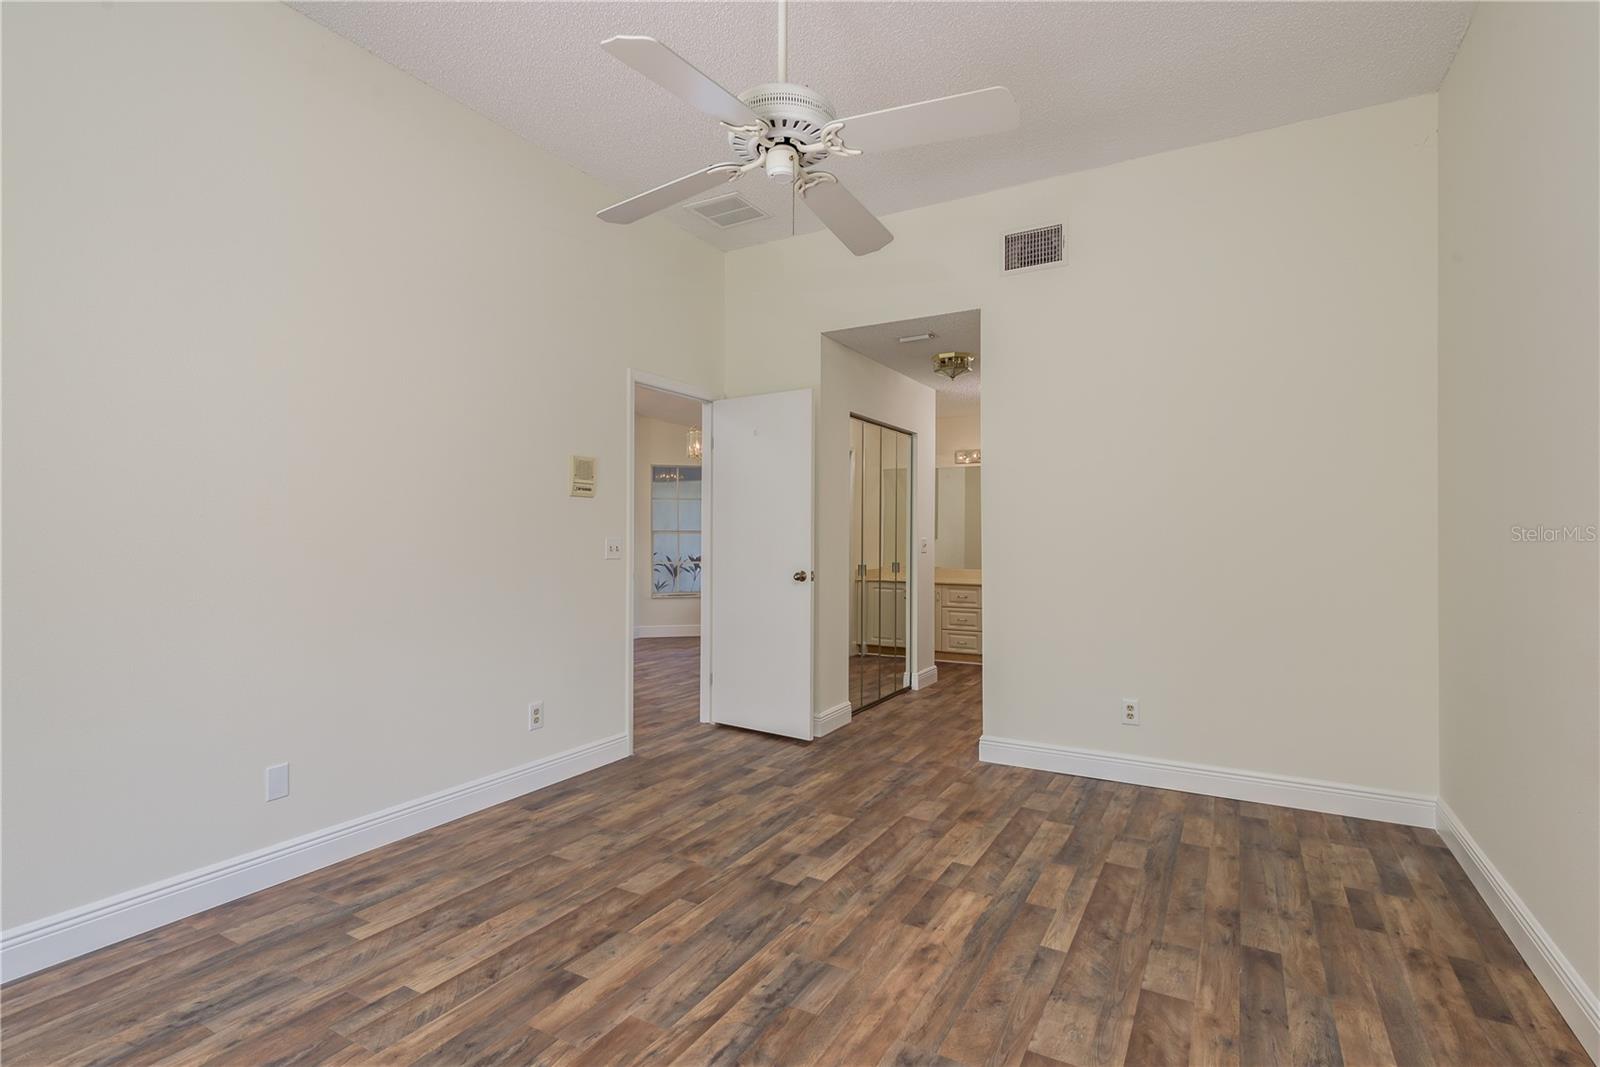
x,y
656,441
1209,440
296,351
852,384
1519,430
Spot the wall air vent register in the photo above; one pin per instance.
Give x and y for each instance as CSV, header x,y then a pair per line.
x,y
1034,249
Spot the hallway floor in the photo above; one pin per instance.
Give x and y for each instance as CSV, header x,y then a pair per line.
x,y
876,896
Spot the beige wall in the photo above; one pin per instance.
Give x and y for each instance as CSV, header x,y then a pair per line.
x,y
852,384
296,350
1220,417
656,441
1519,445
957,431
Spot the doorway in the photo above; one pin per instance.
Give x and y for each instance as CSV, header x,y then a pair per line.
x,y
756,491
880,561
942,352
667,557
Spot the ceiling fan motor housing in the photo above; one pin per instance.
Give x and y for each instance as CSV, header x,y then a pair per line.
x,y
795,113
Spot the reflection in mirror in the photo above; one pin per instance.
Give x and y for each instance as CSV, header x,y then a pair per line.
x,y
880,562
958,518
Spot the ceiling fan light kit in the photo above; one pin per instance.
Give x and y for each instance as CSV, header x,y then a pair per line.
x,y
787,129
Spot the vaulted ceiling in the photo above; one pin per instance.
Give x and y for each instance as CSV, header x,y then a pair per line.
x,y
1097,82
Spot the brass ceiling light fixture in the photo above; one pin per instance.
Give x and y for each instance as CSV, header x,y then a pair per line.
x,y
952,364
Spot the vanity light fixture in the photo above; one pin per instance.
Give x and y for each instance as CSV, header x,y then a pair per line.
x,y
694,443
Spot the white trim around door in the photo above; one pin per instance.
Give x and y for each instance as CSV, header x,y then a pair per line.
x,y
667,385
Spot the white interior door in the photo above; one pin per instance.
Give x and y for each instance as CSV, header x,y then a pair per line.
x,y
761,570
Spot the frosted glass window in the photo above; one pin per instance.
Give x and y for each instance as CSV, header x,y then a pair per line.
x,y
674,531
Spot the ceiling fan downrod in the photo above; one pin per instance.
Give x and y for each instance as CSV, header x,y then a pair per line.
x,y
783,40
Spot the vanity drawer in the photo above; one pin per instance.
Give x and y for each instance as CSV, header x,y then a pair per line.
x,y
963,619
963,642
970,596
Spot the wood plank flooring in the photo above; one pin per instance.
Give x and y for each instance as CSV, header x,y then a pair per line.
x,y
877,896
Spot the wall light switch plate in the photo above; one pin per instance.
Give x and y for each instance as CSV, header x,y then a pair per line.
x,y
924,546
613,548
1130,712
277,781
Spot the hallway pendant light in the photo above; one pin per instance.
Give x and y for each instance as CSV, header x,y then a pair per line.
x,y
952,364
694,444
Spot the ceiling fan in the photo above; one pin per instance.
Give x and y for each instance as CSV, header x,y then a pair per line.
x,y
788,129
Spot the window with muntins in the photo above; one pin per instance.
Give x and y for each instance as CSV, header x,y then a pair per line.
x,y
674,531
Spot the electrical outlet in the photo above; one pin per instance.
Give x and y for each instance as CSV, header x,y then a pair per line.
x,y
1130,712
536,715
613,548
277,781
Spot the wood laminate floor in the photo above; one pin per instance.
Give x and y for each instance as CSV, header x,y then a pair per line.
x,y
877,896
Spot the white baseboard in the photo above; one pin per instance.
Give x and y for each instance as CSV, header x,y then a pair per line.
x,y
1334,798
684,629
1577,1003
925,677
825,722
48,941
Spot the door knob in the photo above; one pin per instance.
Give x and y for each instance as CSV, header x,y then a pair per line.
x,y
799,576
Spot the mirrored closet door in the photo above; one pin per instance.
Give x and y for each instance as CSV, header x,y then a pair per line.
x,y
880,559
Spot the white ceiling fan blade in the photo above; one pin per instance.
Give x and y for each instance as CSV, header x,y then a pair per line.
x,y
846,216
981,111
681,78
664,196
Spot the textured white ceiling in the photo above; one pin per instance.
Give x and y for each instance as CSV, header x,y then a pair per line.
x,y
1096,82
955,332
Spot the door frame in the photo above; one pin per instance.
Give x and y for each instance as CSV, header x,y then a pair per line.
x,y
630,548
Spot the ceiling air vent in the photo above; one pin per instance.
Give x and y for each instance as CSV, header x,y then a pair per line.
x,y
1032,249
729,210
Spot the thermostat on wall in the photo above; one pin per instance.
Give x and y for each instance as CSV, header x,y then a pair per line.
x,y
583,476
